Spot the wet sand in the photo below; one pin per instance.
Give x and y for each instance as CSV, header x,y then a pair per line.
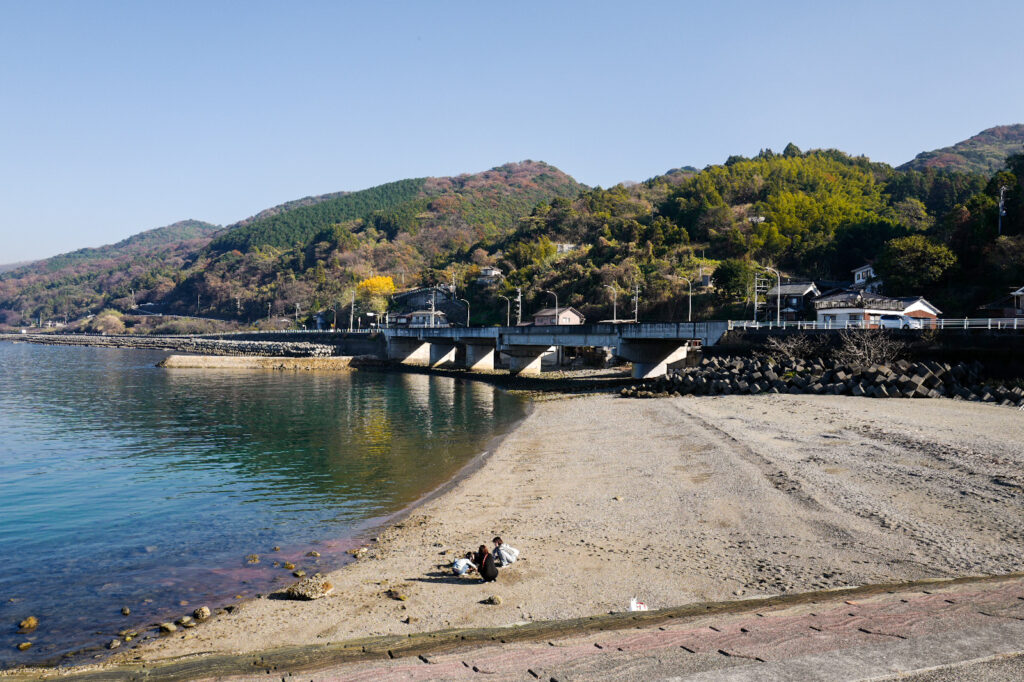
x,y
675,501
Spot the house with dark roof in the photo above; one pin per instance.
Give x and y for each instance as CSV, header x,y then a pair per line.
x,y
1011,305
795,299
865,309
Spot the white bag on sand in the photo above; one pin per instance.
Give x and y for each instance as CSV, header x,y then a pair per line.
x,y
635,605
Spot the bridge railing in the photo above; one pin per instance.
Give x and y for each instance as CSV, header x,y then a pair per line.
x,y
941,324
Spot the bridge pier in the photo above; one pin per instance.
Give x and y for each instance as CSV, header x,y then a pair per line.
x,y
652,359
527,359
409,350
479,357
443,354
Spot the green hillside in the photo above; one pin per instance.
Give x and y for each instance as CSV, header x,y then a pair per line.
x,y
984,153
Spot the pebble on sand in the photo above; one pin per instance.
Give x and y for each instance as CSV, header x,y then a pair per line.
x,y
202,613
113,644
168,628
494,600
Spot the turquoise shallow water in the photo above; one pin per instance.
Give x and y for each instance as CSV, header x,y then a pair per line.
x,y
122,484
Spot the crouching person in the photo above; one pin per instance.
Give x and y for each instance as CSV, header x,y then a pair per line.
x,y
484,561
504,554
464,565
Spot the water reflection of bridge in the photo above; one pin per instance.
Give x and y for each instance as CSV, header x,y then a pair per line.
x,y
651,347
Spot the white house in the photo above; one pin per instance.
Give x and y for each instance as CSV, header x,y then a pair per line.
x,y
865,278
567,315
489,275
863,308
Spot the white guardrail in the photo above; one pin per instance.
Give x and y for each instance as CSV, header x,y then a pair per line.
x,y
951,324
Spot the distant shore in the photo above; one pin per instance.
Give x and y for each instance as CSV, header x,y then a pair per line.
x,y
674,501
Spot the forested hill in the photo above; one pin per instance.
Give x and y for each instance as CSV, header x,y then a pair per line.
x,y
815,214
984,153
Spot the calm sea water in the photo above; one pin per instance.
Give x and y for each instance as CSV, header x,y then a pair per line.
x,y
122,484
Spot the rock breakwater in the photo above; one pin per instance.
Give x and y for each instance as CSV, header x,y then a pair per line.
x,y
184,344
901,379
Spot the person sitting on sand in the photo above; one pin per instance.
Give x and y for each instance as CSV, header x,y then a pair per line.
x,y
485,565
464,565
504,554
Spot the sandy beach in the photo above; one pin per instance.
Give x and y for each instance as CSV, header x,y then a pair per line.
x,y
674,501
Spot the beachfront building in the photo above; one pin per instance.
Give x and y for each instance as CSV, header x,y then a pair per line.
x,y
795,298
567,315
853,307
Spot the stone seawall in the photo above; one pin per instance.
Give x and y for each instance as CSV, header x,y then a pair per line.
x,y
336,363
183,344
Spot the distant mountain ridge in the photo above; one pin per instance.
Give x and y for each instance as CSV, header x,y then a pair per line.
x,y
984,153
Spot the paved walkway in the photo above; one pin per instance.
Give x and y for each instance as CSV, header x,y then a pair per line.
x,y
966,631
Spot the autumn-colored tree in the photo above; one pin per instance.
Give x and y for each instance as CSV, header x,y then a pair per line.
x,y
374,292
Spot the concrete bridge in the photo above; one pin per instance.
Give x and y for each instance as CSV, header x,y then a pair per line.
x,y
651,347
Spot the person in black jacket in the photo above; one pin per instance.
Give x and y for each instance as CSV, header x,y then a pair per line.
x,y
484,561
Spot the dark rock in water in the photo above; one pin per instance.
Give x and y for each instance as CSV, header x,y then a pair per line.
x,y
276,548
168,628
313,587
24,645
289,566
299,573
29,624
125,611
252,558
313,553
202,613
113,644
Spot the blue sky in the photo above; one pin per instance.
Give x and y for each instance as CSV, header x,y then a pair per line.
x,y
122,116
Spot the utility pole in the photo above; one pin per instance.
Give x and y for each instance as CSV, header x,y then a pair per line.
x,y
519,306
636,302
352,311
433,305
467,311
689,300
1002,210
268,311
296,313
778,295
197,305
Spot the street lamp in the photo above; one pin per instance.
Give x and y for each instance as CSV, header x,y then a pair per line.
x,y
508,310
615,298
689,299
778,295
556,303
467,311
1002,210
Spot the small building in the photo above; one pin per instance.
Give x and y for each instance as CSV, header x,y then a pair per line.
x,y
563,247
420,319
795,297
865,278
489,275
1011,305
568,315
863,308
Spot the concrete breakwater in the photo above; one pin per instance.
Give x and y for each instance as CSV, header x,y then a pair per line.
x,y
184,344
334,363
901,379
